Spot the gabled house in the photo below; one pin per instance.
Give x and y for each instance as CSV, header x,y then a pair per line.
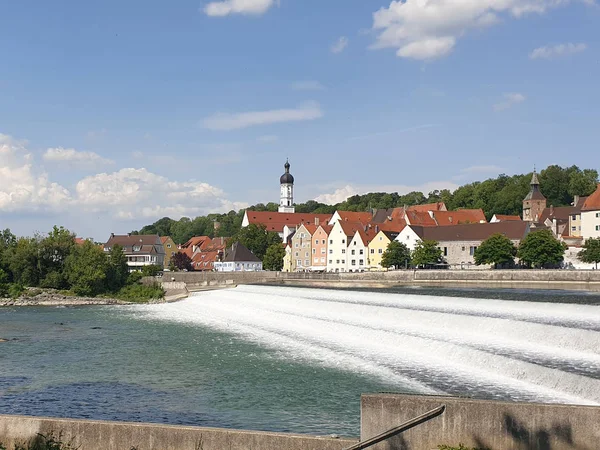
x,y
319,248
302,248
238,258
358,250
378,246
140,250
590,216
337,245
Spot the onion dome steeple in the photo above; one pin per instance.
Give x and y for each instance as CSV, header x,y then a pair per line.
x,y
287,177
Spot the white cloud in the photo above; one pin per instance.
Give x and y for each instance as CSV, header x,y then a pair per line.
x,y
509,100
310,85
247,7
125,194
73,157
557,51
268,138
226,122
429,29
339,45
23,188
341,194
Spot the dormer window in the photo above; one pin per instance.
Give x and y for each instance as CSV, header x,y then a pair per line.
x,y
136,248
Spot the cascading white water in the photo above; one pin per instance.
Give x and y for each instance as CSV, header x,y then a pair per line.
x,y
547,352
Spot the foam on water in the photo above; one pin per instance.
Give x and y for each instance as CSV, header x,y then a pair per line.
x,y
526,351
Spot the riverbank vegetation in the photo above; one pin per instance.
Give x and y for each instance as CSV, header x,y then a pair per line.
x,y
55,261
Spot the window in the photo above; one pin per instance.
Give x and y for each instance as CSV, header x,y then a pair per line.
x,y
353,262
343,261
307,262
472,250
353,252
361,251
597,227
337,261
136,248
343,250
354,242
314,251
331,261
573,228
463,249
445,251
344,240
331,241
299,263
306,255
323,260
372,251
296,255
597,214
296,245
380,238
316,242
168,245
323,251
380,251
574,217
330,252
361,262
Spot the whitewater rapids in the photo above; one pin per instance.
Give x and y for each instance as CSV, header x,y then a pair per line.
x,y
495,349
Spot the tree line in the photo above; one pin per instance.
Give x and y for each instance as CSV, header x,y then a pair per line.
x,y
56,261
501,195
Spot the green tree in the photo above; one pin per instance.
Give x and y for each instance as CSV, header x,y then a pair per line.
x,y
257,239
396,255
118,270
426,253
496,250
53,251
151,270
541,249
273,259
591,251
86,270
23,262
583,182
181,261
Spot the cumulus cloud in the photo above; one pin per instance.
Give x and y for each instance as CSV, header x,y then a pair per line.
x,y
510,99
557,51
73,157
342,193
227,122
23,188
429,29
340,45
247,7
125,194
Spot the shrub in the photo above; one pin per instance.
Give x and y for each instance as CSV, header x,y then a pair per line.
x,y
140,293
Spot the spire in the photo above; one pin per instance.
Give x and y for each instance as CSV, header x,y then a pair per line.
x,y
534,178
287,165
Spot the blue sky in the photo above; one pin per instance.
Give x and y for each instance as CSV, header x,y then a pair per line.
x,y
114,114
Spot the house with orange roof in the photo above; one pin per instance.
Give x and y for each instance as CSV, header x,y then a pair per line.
x,y
320,239
590,216
340,237
197,242
351,216
358,250
170,249
379,245
458,217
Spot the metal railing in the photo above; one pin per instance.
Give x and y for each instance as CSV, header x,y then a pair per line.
x,y
399,429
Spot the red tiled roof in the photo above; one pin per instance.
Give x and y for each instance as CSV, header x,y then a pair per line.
x,y
351,216
592,203
276,221
420,218
445,218
506,218
326,228
350,228
198,241
439,206
366,236
205,260
473,232
80,241
164,239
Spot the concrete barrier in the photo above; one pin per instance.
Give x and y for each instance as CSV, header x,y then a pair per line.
x,y
480,423
100,435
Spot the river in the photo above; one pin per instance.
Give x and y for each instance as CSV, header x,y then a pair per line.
x,y
296,359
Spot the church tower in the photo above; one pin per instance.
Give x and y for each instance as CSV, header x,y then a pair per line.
x,y
286,196
534,203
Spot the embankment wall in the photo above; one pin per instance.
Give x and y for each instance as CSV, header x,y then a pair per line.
x,y
100,435
480,423
588,280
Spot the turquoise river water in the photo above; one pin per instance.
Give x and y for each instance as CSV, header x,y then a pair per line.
x,y
296,359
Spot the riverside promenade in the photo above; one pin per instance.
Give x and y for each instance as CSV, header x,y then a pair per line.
x,y
179,284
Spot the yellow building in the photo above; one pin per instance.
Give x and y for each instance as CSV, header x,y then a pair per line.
x,y
377,246
170,249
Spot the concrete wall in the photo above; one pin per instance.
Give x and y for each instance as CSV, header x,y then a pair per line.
x,y
99,435
478,423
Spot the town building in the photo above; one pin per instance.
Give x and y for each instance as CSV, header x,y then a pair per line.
x,y
140,250
302,248
319,248
534,203
238,258
504,218
378,246
337,246
286,196
358,250
459,242
287,259
170,249
283,223
590,216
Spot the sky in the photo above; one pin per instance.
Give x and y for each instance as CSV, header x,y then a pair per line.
x,y
114,114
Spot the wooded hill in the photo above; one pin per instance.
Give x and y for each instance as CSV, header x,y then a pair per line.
x,y
501,195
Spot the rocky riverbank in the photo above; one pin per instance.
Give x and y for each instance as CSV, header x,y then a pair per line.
x,y
56,299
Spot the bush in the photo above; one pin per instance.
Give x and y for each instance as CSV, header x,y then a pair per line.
x,y
15,290
140,293
134,278
151,271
